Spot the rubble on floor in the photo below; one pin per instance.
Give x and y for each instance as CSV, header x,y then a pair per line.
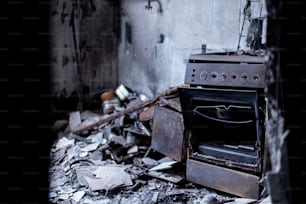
x,y
113,162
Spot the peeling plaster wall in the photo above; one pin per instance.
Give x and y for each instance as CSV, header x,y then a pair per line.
x,y
94,47
162,38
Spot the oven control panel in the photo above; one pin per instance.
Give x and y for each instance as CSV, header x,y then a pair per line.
x,y
225,74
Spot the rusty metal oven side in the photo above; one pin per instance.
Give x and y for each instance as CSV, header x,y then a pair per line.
x,y
168,133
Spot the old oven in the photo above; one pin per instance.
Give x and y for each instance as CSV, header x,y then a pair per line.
x,y
223,112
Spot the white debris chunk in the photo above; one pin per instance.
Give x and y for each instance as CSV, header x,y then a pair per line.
x,y
164,165
103,201
90,147
165,159
122,92
149,161
165,176
74,120
117,139
267,200
109,177
84,171
209,198
97,138
59,154
66,168
66,190
155,197
52,195
133,150
64,142
63,196
83,154
73,151
78,196
242,201
96,156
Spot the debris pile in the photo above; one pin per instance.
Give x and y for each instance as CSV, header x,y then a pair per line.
x,y
108,158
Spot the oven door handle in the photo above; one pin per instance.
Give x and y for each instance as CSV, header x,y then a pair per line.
x,y
218,119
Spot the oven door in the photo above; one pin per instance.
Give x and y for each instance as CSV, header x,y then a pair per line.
x,y
224,124
168,133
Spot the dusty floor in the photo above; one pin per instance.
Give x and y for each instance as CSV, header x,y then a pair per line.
x,y
89,170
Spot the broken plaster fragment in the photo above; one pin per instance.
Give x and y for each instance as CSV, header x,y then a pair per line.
x,y
109,177
165,176
83,154
100,184
149,161
97,138
242,201
78,196
133,150
96,156
90,147
165,159
155,197
209,198
74,120
52,195
63,196
64,142
58,155
164,165
117,139
73,151
266,200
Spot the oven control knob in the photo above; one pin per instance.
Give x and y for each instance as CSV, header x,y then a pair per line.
x,y
256,77
234,76
214,75
203,75
244,77
224,76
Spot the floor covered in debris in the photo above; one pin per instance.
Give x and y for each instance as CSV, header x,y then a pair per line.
x,y
113,162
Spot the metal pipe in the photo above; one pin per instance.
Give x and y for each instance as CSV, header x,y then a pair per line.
x,y
149,5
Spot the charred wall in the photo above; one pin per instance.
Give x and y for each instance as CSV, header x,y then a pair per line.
x,y
83,50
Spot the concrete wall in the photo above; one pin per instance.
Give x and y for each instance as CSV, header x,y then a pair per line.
x,y
163,37
86,62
